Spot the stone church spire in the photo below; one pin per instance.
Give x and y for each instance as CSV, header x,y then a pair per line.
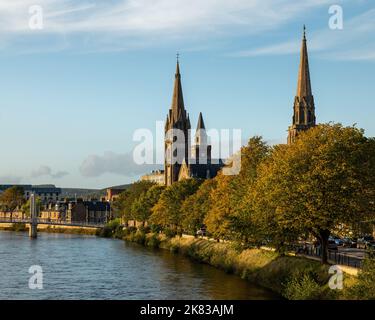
x,y
201,151
176,151
200,122
304,107
304,83
178,107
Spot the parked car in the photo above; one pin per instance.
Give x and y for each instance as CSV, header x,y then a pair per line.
x,y
350,242
332,245
337,240
201,232
367,242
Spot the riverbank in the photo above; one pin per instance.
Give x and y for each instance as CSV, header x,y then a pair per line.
x,y
20,227
291,277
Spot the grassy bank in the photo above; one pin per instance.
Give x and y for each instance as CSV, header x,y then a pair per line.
x,y
294,278
21,227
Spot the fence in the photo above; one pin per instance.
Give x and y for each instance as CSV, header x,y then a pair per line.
x,y
334,256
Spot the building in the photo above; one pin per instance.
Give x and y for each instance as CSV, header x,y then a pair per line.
x,y
46,193
88,211
156,176
180,162
113,193
304,107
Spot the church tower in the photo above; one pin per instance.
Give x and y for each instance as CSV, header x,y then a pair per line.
x,y
177,140
304,108
201,151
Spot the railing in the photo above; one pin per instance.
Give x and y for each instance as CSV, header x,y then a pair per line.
x,y
334,256
54,222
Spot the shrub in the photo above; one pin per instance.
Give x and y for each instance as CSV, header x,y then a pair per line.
x,y
170,233
152,241
305,288
364,289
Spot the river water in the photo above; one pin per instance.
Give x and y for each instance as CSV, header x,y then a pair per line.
x,y
88,267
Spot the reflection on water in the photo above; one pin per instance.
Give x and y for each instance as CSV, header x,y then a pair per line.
x,y
87,267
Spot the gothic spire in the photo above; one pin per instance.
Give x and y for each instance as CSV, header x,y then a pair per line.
x,y
177,99
304,84
200,125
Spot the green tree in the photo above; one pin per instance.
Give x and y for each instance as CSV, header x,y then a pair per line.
x,y
167,211
245,228
11,199
123,204
322,180
26,206
141,207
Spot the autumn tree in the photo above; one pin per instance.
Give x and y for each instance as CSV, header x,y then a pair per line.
x,y
322,180
167,211
196,206
218,218
11,199
245,228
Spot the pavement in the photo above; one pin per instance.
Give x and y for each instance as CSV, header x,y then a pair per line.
x,y
352,252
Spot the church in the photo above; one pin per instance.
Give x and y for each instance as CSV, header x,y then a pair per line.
x,y
304,106
182,160
185,161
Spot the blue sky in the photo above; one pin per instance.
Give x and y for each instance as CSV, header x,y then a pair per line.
x,y
73,93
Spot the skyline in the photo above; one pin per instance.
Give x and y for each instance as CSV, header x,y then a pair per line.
x,y
80,105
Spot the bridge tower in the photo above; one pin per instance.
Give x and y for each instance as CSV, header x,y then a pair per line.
x,y
33,230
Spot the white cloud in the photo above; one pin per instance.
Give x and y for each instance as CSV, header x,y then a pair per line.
x,y
355,42
47,171
119,24
116,163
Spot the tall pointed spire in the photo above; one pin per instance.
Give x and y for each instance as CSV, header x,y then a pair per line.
x,y
304,106
200,125
304,84
177,99
177,121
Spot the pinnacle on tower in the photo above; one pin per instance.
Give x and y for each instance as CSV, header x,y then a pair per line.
x,y
200,122
304,84
177,99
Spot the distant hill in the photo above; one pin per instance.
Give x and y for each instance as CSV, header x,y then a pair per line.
x,y
122,186
88,193
82,193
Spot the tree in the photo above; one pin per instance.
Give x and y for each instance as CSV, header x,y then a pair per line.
x,y
218,218
11,199
124,202
230,217
141,207
26,206
322,180
196,206
167,211
245,228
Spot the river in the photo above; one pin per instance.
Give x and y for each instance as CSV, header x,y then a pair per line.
x,y
88,267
